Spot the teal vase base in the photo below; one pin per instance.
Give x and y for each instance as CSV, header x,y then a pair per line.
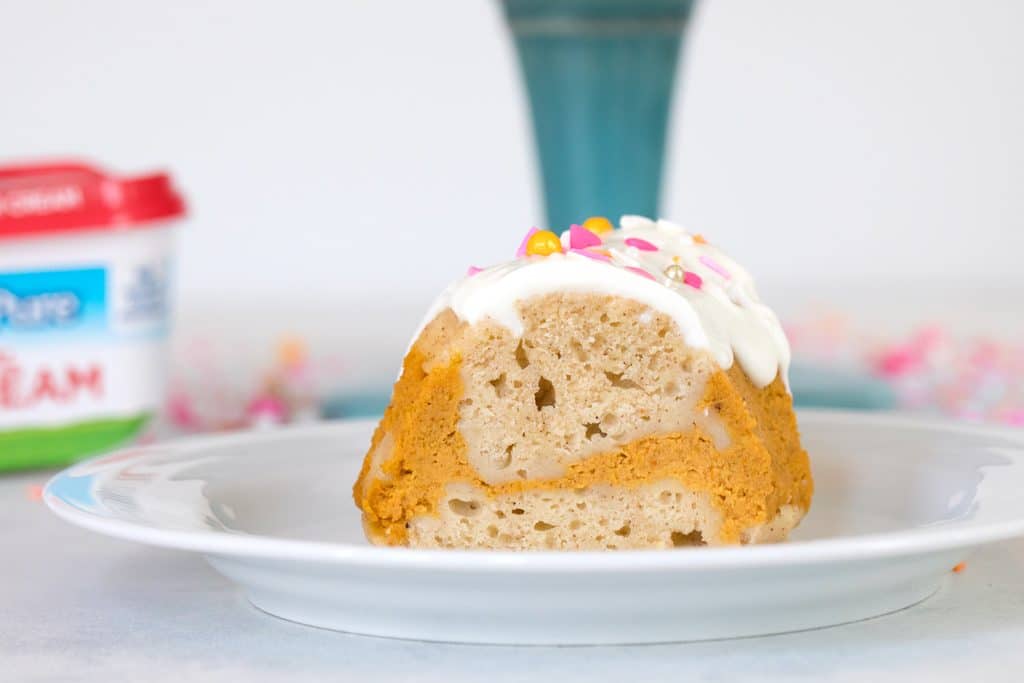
x,y
599,76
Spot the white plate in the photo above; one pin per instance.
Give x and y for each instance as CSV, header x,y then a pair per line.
x,y
899,502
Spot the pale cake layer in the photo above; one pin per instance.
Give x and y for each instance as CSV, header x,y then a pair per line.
x,y
589,372
664,514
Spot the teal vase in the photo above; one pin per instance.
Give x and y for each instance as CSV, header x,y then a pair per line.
x,y
600,76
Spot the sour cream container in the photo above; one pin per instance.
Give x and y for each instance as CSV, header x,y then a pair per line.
x,y
85,262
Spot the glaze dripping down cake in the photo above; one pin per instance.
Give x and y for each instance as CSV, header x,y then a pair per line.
x,y
608,389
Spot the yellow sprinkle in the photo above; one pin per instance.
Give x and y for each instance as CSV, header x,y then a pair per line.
x,y
291,351
543,243
675,259
598,225
699,239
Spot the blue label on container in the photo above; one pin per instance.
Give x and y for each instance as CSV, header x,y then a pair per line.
x,y
37,303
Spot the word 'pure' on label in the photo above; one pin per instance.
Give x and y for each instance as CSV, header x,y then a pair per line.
x,y
37,310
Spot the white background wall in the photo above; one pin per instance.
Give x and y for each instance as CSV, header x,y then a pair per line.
x,y
354,150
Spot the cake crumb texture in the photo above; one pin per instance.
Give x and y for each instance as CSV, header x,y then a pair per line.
x,y
597,428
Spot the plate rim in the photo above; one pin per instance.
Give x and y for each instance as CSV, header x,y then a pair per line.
x,y
890,544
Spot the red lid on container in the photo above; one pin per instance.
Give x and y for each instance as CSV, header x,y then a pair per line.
x,y
45,199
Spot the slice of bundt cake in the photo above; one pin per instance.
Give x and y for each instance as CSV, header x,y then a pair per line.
x,y
610,389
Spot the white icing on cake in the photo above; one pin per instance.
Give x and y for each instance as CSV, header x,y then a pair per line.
x,y
723,316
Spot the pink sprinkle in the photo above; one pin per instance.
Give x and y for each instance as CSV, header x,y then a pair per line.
x,y
898,361
591,254
641,271
267,406
642,245
472,270
181,413
581,238
692,279
521,251
715,266
1015,417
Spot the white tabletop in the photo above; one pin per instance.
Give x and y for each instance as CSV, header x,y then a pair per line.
x,y
78,606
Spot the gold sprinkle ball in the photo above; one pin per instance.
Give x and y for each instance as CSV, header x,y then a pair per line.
x,y
598,225
543,243
674,271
